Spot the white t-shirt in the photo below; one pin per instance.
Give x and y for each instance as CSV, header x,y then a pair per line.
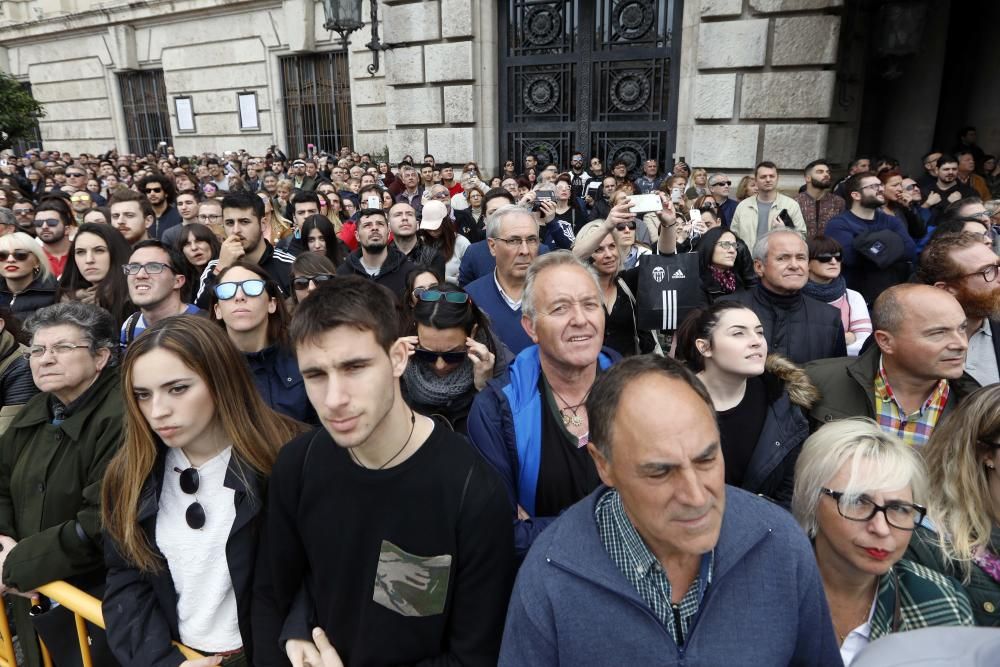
x,y
206,603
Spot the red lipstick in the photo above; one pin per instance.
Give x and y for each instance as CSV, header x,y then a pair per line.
x,y
877,554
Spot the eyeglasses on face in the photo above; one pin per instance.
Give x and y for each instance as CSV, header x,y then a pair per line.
x,y
727,245
905,516
209,218
431,357
251,288
79,198
133,268
876,186
59,349
622,226
74,174
911,187
302,282
516,241
22,212
190,482
989,273
50,222
434,295
153,190
827,257
18,255
718,183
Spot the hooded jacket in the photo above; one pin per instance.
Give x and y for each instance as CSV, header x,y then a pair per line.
x,y
392,273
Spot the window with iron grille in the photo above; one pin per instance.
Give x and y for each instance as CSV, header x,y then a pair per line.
x,y
317,94
147,120
20,146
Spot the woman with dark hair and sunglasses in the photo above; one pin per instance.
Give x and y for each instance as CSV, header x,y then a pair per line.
x,y
94,273
319,236
250,307
183,498
827,285
453,353
309,271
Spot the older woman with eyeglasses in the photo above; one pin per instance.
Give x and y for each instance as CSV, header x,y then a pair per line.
x,y
963,462
858,494
53,456
827,285
453,353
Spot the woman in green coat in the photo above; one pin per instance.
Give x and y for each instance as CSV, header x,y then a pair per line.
x,y
53,456
963,457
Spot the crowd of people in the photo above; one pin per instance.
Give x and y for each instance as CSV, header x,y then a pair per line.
x,y
330,410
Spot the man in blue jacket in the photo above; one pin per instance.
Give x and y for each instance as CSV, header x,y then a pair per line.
x,y
666,565
532,426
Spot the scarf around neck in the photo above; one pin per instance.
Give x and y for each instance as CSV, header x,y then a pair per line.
x,y
826,293
454,391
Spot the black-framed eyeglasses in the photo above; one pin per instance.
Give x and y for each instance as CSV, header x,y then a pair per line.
x,y
302,282
989,273
905,516
190,481
75,174
133,268
431,357
877,186
827,257
251,288
48,222
434,295
712,185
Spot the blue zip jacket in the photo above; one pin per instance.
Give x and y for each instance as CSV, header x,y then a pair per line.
x,y
505,425
765,605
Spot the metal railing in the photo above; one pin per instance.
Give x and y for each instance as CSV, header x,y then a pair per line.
x,y
85,608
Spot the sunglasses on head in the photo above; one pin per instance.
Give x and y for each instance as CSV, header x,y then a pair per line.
x,y
434,295
827,257
302,282
252,287
431,357
190,481
622,226
19,255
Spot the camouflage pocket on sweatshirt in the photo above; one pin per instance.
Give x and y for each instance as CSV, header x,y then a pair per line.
x,y
411,585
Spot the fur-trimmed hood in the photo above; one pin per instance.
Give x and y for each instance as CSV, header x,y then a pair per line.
x,y
801,390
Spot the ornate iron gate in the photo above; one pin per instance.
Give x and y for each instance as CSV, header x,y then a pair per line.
x,y
598,76
147,121
317,94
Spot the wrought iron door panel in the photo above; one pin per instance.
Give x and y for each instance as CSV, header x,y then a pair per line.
x,y
590,75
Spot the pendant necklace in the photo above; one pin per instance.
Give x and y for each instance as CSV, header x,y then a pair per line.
x,y
413,423
574,419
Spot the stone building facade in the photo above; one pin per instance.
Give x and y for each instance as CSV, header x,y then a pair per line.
x,y
748,79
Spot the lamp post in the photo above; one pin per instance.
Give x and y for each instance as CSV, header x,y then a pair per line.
x,y
344,17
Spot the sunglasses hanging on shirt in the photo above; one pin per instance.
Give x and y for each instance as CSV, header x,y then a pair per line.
x,y
195,514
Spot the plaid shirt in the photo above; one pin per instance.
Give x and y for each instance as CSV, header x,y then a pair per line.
x,y
914,429
926,598
641,568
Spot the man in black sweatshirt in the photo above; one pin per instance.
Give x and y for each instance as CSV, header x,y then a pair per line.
x,y
384,529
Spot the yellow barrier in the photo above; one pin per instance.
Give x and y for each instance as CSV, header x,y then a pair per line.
x,y
84,607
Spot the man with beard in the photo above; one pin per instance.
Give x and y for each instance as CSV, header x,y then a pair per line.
x,y
578,176
817,203
52,217
960,263
877,250
242,221
946,189
377,259
403,224
160,192
132,215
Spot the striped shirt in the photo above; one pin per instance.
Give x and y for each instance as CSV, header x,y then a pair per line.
x,y
641,568
916,428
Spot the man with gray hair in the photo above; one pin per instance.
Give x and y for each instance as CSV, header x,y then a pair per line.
x,y
664,553
912,376
8,221
532,425
796,326
513,240
413,192
719,186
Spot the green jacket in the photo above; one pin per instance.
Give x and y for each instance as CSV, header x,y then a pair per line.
x,y
983,591
847,387
911,597
50,484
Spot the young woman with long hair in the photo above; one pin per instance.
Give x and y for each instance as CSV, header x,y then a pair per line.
x,y
93,274
183,497
200,246
319,236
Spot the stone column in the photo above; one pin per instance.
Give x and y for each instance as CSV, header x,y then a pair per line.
x,y
757,81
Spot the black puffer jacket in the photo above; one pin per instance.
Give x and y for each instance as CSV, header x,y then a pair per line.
x,y
40,293
796,326
771,470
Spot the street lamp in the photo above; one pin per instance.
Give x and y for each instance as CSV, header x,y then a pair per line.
x,y
344,17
